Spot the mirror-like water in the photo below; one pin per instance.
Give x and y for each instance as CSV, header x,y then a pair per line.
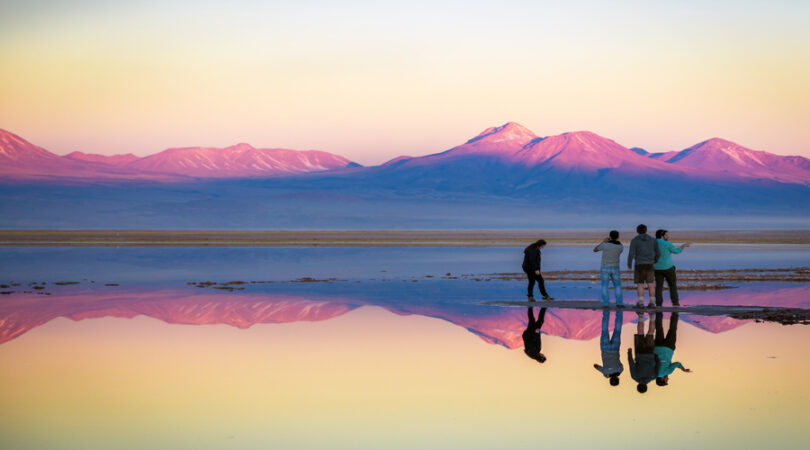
x,y
383,347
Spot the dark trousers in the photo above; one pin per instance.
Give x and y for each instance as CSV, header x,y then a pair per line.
x,y
540,283
672,334
669,275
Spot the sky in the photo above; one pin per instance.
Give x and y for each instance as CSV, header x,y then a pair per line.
x,y
372,80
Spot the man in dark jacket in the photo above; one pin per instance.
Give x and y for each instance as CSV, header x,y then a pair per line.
x,y
644,249
531,265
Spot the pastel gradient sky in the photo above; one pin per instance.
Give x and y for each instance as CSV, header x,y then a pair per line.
x,y
373,80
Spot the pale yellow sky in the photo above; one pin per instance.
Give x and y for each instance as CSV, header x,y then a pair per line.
x,y
373,80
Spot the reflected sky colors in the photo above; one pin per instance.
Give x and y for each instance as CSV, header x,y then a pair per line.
x,y
377,360
372,378
373,80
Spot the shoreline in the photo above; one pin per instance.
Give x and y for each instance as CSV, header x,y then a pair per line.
x,y
375,238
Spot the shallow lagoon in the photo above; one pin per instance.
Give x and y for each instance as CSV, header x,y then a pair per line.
x,y
373,358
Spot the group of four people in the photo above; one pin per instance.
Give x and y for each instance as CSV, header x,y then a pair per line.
x,y
653,266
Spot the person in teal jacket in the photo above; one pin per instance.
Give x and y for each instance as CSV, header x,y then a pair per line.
x,y
665,268
665,348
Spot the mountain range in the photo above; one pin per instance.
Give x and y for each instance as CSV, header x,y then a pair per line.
x,y
19,159
510,144
504,177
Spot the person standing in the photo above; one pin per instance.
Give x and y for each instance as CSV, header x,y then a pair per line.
x,y
609,345
611,249
644,250
531,265
665,268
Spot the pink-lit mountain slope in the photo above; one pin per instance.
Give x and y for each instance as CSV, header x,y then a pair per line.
x,y
113,160
19,159
584,151
515,145
732,160
20,156
22,160
241,160
501,143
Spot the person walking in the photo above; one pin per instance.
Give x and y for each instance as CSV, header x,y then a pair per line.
x,y
609,345
644,250
531,265
665,268
609,270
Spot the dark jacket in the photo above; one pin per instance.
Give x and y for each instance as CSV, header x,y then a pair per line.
x,y
645,367
531,258
644,249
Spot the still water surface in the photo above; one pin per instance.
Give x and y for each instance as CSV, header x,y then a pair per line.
x,y
392,353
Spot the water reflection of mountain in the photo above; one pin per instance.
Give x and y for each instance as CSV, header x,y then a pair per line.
x,y
20,313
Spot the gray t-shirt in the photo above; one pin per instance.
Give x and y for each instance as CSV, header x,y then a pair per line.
x,y
611,363
610,253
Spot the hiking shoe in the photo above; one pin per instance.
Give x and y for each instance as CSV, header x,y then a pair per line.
x,y
548,297
531,298
651,305
619,306
639,304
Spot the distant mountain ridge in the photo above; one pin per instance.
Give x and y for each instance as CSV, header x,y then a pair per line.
x,y
505,176
510,144
240,160
732,159
19,158
115,160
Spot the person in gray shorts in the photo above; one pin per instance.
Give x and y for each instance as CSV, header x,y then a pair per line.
x,y
644,250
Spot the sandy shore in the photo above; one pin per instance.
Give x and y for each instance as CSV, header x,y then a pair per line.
x,y
376,238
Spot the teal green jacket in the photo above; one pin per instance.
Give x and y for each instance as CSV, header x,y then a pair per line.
x,y
667,366
667,249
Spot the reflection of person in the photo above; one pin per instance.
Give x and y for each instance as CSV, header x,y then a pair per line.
x,y
644,368
531,265
665,348
665,268
644,249
611,248
609,344
531,336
